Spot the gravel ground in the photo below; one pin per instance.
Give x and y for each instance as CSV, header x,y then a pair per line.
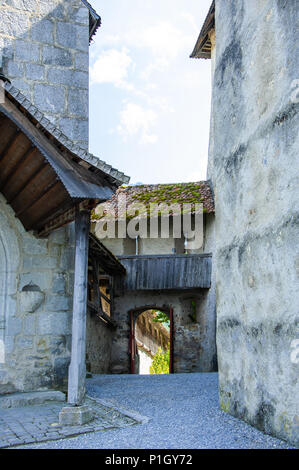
x,y
183,411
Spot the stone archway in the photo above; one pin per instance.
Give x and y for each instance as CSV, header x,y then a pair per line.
x,y
134,314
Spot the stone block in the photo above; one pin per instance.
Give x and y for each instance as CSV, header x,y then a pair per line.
x,y
57,56
27,51
43,31
68,77
35,72
80,15
33,246
82,61
29,325
13,326
44,262
78,103
57,303
17,400
75,129
67,260
61,365
14,69
59,283
49,98
55,323
58,236
25,342
72,36
75,415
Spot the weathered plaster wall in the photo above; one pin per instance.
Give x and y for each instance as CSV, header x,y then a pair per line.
x,y
35,344
159,245
44,48
255,176
190,337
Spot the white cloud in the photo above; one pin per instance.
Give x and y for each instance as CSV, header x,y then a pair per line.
x,y
112,66
162,38
137,120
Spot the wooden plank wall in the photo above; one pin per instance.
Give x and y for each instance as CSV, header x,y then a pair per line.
x,y
166,272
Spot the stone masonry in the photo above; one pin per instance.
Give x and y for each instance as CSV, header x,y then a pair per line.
x,y
44,48
36,281
254,169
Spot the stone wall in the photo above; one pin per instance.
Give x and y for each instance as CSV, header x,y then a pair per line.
x,y
194,343
98,345
255,175
36,305
44,50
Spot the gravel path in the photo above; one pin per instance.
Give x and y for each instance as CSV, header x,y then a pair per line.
x,y
183,411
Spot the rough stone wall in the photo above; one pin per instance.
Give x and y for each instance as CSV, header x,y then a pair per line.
x,y
255,176
36,305
190,337
44,50
98,345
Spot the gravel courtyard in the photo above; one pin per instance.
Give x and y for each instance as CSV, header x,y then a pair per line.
x,y
183,413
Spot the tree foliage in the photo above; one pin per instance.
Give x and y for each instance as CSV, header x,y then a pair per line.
x,y
161,317
160,364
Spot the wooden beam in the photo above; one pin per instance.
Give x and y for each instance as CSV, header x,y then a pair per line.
x,y
77,369
27,182
54,211
10,144
12,173
44,191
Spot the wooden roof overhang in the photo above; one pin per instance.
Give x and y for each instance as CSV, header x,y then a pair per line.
x,y
41,179
203,46
108,262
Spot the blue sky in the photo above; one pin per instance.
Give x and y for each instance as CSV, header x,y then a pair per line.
x,y
149,102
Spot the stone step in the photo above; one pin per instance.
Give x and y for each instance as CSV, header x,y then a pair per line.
x,y
16,400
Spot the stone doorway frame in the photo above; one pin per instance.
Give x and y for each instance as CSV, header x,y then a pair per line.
x,y
133,315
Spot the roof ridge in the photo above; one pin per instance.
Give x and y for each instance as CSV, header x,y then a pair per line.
x,y
62,138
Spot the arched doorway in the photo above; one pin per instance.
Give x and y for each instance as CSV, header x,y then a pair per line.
x,y
148,337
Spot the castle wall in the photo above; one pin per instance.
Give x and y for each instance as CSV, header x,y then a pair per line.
x,y
194,344
44,51
255,176
36,306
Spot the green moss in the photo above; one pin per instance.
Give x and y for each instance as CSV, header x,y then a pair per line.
x,y
225,406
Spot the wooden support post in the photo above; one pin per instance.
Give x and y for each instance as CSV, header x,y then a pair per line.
x,y
77,369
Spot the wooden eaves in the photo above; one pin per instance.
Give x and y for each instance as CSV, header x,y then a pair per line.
x,y
203,46
43,175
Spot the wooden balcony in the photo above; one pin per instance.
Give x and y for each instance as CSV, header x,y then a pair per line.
x,y
160,272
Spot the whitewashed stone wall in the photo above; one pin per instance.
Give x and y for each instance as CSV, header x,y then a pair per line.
x,y
36,278
44,51
194,339
255,175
